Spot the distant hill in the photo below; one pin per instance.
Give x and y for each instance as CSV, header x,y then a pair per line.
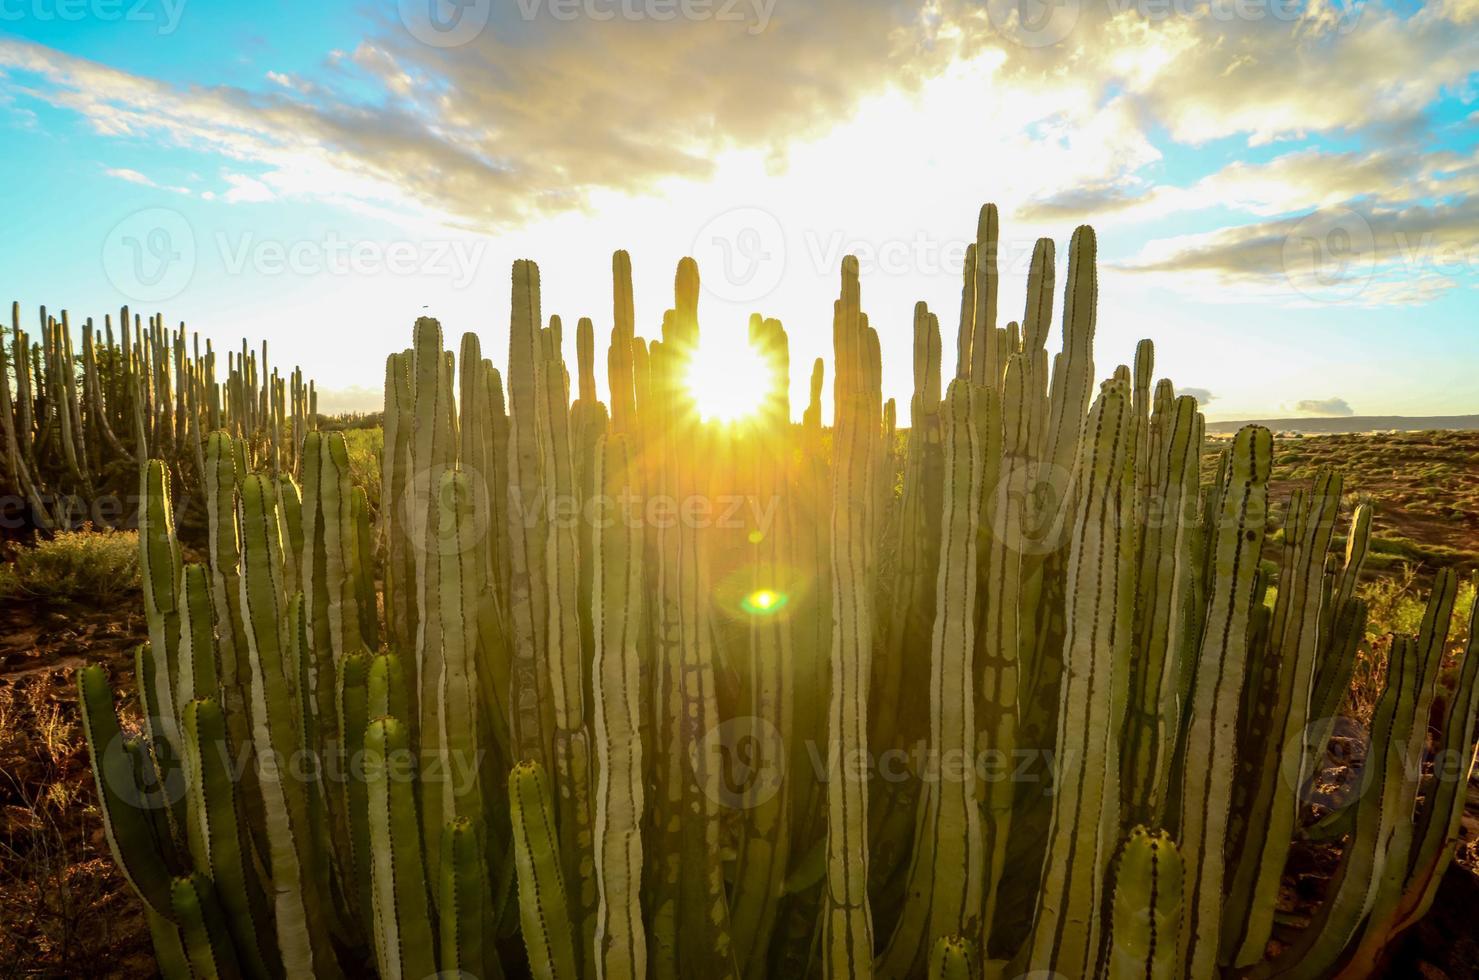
x,y
1354,423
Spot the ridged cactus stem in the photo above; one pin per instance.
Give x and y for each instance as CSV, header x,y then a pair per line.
x,y
847,930
1067,934
404,945
354,716
161,565
219,846
548,935
1410,734
198,674
1279,719
1072,386
1006,611
203,929
987,364
953,958
1208,750
1146,915
460,738
949,855
126,811
532,726
466,914
572,777
276,725
764,844
620,945
620,371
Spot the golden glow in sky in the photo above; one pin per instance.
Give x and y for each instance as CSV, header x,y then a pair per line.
x,y
728,378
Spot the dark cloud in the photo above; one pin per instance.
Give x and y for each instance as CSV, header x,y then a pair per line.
x,y
1081,203
1202,395
1324,406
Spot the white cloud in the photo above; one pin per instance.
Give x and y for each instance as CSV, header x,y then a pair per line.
x,y
246,190
134,177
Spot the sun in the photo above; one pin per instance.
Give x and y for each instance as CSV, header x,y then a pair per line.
x,y
728,379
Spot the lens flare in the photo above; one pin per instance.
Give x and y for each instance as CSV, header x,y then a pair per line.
x,y
764,602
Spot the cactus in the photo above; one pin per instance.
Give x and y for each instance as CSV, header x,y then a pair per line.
x,y
74,426
542,898
403,923
619,940
1146,915
631,743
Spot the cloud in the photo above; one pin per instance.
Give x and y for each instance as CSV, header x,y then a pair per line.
x,y
531,117
134,177
1209,71
1324,406
540,114
1357,252
246,189
1202,395
525,119
1082,203
131,176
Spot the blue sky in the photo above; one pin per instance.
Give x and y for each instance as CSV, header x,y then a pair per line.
x,y
1287,196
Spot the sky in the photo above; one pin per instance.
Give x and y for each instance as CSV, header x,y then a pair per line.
x,y
1286,195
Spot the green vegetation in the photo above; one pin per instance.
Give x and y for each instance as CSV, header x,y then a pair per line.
x,y
74,566
1424,486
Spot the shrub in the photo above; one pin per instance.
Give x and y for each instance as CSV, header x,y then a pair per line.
x,y
74,565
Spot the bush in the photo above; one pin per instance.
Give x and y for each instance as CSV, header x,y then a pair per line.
x,y
365,448
73,566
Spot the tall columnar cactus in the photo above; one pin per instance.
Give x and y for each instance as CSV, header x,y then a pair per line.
x,y
1208,746
948,864
404,946
74,426
847,935
1278,715
544,911
1068,931
647,689
619,940
277,697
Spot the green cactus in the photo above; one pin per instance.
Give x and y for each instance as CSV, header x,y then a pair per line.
x,y
219,846
404,945
635,746
1068,931
543,910
1145,920
619,940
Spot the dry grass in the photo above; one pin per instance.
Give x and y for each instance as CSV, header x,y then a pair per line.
x,y
64,909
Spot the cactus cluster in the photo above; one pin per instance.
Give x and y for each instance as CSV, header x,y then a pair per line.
x,y
568,710
75,429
